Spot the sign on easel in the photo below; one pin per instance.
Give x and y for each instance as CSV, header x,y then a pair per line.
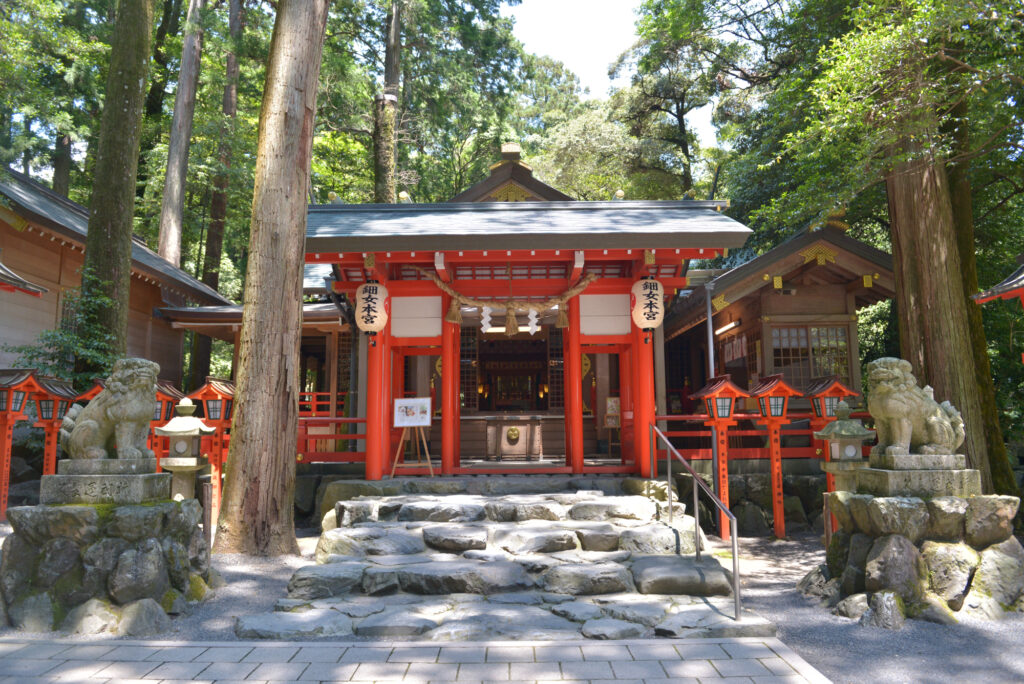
x,y
413,412
612,411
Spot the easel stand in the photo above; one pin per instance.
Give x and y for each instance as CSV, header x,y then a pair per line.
x,y
419,437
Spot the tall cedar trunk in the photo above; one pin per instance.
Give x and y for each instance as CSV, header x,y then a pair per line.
x,y
256,515
173,205
1003,480
935,334
385,111
62,164
170,22
109,241
201,344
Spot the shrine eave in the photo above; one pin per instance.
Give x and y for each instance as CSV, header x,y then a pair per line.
x,y
521,225
1010,288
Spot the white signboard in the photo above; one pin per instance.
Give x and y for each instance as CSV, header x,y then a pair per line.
x,y
612,408
414,412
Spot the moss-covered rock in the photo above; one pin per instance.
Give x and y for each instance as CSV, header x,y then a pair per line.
x,y
197,588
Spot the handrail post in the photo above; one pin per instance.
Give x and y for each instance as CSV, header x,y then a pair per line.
x,y
696,516
668,482
735,568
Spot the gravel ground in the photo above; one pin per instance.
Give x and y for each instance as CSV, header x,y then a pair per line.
x,y
973,651
840,648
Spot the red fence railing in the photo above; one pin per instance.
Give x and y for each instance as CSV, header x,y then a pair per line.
x,y
330,440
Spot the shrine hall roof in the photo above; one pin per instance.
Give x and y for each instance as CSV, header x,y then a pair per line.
x,y
521,225
1013,286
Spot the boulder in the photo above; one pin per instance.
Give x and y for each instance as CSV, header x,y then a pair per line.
x,y
33,613
837,554
681,575
98,561
946,518
536,562
601,537
793,511
813,583
92,617
377,581
441,511
329,521
540,511
906,516
852,579
578,611
631,608
810,489
526,598
133,523
858,505
759,490
17,566
611,507
895,565
950,567
609,628
586,579
737,488
500,511
305,493
60,556
198,552
751,520
989,519
523,539
852,607
885,610
839,505
395,622
999,580
658,538
304,625
140,573
473,577
487,555
177,561
654,489
368,541
485,621
455,538
321,581
343,490
37,524
932,608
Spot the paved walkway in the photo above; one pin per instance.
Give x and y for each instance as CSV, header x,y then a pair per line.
x,y
752,659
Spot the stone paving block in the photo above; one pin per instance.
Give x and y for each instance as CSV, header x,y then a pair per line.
x,y
177,654
461,655
425,672
653,652
414,654
176,671
87,652
690,668
271,654
128,669
365,654
509,654
544,654
482,671
278,671
40,651
233,670
640,669
533,671
329,672
701,651
605,652
76,670
587,670
778,666
317,654
740,667
780,679
743,650
381,671
223,654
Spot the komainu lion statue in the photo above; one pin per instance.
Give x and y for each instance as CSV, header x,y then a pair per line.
x,y
119,415
907,417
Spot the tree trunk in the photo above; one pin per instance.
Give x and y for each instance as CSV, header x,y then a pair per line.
x,y
201,344
173,204
257,512
1003,480
935,334
62,164
385,111
109,241
170,22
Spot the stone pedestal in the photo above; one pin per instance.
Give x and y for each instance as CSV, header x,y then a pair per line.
x,y
183,472
845,472
923,475
105,480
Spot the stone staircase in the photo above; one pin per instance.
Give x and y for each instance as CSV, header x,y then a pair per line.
x,y
553,565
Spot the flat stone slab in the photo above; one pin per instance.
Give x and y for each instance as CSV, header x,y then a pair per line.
x,y
469,576
441,511
485,620
395,622
322,581
109,489
611,507
610,628
455,538
369,541
588,578
536,539
921,483
300,625
681,575
106,466
919,461
578,611
713,620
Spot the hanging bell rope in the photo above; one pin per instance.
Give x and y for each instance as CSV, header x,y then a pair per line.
x,y
510,306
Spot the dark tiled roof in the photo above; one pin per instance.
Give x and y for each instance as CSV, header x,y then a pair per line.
x,y
71,220
1013,286
520,225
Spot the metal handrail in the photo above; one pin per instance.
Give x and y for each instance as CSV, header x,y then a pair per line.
x,y
698,481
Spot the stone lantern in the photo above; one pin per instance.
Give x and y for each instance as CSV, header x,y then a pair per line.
x,y
845,439
183,458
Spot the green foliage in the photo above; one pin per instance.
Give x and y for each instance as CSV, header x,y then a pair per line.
x,y
80,350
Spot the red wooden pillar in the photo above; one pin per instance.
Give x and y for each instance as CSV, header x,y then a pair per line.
x,y
6,433
397,392
722,436
449,390
377,386
626,404
775,454
573,389
50,432
643,401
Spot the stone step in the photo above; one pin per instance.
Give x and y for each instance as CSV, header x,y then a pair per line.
x,y
520,616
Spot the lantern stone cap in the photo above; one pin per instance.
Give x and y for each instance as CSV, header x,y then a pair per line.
x,y
773,385
720,386
184,424
843,427
828,385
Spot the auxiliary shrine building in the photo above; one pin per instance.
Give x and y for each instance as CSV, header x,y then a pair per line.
x,y
519,317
